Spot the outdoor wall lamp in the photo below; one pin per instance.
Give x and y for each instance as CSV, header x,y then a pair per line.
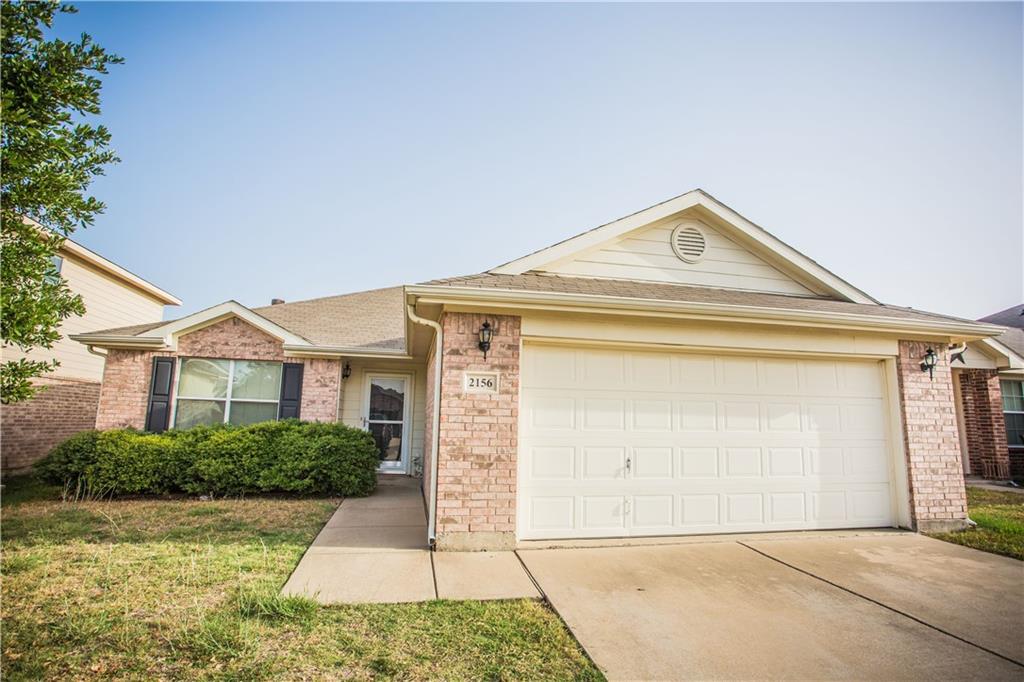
x,y
929,362
346,371
485,338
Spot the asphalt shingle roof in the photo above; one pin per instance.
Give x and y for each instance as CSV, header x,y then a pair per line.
x,y
366,320
370,320
1012,317
683,294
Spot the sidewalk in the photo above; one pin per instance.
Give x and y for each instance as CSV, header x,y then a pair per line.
x,y
373,550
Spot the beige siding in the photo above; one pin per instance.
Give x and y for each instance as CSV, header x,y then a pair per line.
x,y
647,255
353,396
108,303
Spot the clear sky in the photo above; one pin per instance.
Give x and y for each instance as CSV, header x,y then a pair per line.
x,y
303,150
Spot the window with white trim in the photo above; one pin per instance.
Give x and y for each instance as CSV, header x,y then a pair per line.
x,y
1013,411
212,391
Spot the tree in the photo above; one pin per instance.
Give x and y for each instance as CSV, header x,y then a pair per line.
x,y
49,154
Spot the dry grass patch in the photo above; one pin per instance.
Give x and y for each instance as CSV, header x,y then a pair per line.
x,y
186,589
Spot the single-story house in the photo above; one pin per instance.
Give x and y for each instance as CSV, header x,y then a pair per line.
x,y
677,371
988,381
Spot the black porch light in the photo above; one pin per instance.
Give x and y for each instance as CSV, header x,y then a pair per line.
x,y
346,371
929,362
486,333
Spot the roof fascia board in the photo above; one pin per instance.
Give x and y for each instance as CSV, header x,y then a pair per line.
x,y
597,236
1005,353
342,352
127,342
222,311
76,250
690,310
784,255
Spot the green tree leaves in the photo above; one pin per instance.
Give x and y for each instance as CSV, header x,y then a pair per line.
x,y
49,154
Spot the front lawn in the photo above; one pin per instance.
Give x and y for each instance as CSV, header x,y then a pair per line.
x,y
1000,519
189,589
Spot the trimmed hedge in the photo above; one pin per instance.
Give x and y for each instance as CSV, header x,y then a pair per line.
x,y
276,456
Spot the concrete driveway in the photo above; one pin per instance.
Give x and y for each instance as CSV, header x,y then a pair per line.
x,y
876,606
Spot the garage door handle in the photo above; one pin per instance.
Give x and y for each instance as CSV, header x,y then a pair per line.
x,y
629,464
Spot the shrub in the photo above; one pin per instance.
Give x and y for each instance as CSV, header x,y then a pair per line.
x,y
69,459
280,456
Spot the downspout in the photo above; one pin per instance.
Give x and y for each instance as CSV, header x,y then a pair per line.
x,y
92,349
435,420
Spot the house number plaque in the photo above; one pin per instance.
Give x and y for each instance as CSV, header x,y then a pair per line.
x,y
480,382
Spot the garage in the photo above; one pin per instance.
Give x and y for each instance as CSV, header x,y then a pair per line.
x,y
628,442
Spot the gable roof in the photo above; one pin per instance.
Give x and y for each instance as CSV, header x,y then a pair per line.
x,y
749,234
372,322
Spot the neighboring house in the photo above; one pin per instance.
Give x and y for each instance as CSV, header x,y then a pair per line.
x,y
67,404
677,371
989,379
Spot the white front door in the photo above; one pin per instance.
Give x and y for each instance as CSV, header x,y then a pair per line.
x,y
387,419
626,442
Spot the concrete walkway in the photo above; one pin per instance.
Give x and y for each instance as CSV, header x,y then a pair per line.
x,y
1001,486
373,550
789,606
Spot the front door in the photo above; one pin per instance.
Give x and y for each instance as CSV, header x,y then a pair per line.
x,y
387,418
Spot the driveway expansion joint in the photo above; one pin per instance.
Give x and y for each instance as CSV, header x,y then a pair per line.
x,y
882,604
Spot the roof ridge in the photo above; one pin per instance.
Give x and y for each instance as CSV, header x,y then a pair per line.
x,y
324,298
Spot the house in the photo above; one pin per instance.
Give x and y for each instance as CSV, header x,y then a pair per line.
x,y
113,296
677,371
988,378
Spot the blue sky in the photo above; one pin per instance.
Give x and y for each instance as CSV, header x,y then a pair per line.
x,y
301,150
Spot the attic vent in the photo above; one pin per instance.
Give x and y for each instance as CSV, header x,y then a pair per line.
x,y
689,242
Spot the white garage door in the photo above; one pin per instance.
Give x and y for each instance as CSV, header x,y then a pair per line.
x,y
617,442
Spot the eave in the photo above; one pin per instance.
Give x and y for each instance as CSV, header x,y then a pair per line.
x,y
713,312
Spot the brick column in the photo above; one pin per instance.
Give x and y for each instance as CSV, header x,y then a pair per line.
x,y
478,437
985,430
938,500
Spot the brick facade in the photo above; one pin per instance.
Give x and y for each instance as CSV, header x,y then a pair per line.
x,y
478,436
938,500
126,376
30,429
984,428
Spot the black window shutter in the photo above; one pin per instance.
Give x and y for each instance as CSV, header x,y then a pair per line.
x,y
291,391
159,412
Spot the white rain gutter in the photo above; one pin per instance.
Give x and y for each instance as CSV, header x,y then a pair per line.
x,y
963,330
435,419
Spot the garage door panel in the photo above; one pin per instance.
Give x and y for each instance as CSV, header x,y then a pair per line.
x,y
650,371
699,462
603,463
603,512
556,463
653,462
652,415
787,508
603,414
670,444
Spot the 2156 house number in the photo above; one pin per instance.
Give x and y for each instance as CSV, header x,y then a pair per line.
x,y
481,382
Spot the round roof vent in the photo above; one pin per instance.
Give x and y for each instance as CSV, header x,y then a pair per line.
x,y
689,242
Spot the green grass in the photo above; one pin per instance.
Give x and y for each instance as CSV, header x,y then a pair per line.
x,y
1000,519
184,589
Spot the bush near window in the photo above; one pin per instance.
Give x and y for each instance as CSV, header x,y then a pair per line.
x,y
277,456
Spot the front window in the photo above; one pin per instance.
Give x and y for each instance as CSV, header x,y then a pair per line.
x,y
1013,412
232,391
